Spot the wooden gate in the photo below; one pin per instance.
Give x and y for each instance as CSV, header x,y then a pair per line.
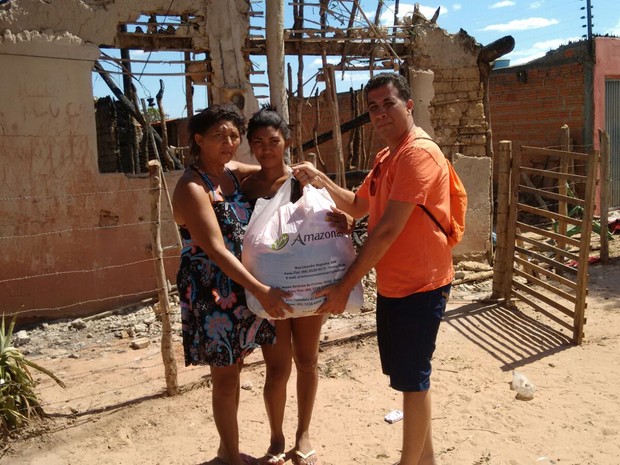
x,y
544,230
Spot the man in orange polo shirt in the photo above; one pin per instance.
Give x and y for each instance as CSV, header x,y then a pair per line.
x,y
409,251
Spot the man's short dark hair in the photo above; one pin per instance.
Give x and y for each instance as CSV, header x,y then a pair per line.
x,y
383,79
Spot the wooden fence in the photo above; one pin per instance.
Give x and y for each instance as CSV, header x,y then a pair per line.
x,y
543,233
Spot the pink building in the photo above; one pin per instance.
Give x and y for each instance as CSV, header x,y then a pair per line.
x,y
570,85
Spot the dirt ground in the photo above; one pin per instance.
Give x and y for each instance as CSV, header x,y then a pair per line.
x,y
114,410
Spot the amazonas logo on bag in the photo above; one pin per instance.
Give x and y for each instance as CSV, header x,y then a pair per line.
x,y
304,239
280,242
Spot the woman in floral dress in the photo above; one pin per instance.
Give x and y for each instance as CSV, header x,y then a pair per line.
x,y
218,328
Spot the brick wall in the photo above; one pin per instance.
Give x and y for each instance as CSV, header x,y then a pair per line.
x,y
531,105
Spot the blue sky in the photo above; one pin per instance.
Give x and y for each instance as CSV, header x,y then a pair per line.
x,y
536,25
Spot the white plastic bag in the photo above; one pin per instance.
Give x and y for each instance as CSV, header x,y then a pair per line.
x,y
291,246
525,389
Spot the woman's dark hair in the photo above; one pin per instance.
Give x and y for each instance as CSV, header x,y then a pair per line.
x,y
267,116
383,79
209,117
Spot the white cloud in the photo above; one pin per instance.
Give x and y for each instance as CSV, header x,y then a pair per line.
x,y
535,5
456,7
404,9
429,11
614,31
387,16
330,60
522,24
539,49
502,4
353,77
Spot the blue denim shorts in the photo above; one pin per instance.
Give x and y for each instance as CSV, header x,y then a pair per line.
x,y
406,332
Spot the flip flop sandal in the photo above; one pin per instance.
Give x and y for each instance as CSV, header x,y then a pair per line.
x,y
303,459
275,459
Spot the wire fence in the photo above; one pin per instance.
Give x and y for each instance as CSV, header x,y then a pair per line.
x,y
59,237
95,358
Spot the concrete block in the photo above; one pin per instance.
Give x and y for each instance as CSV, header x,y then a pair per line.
x,y
475,172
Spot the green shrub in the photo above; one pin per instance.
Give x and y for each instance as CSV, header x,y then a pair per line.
x,y
19,403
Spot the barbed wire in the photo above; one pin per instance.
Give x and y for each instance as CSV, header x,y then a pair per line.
x,y
66,234
93,270
60,231
80,194
84,302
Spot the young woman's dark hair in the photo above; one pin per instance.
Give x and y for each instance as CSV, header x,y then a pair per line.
x,y
267,116
209,117
399,82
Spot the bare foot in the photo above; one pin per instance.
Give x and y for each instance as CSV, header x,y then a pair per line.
x,y
244,459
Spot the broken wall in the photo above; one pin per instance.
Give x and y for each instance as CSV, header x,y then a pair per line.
x,y
457,109
94,21
449,93
74,241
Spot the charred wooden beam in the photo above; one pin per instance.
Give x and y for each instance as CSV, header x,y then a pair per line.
x,y
344,127
335,46
496,49
154,42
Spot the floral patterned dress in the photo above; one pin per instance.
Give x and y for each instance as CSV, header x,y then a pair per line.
x,y
218,328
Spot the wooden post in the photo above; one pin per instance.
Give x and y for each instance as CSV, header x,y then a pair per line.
x,y
151,133
299,25
584,249
604,193
365,157
371,63
503,198
297,103
319,162
311,158
167,352
351,151
562,187
298,13
511,223
164,129
189,86
293,151
330,85
143,142
274,43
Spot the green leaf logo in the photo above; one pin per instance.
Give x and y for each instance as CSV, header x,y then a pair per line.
x,y
280,242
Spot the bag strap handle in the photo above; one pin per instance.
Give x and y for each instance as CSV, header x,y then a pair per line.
x,y
422,206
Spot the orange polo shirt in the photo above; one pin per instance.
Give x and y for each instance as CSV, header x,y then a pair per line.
x,y
420,258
